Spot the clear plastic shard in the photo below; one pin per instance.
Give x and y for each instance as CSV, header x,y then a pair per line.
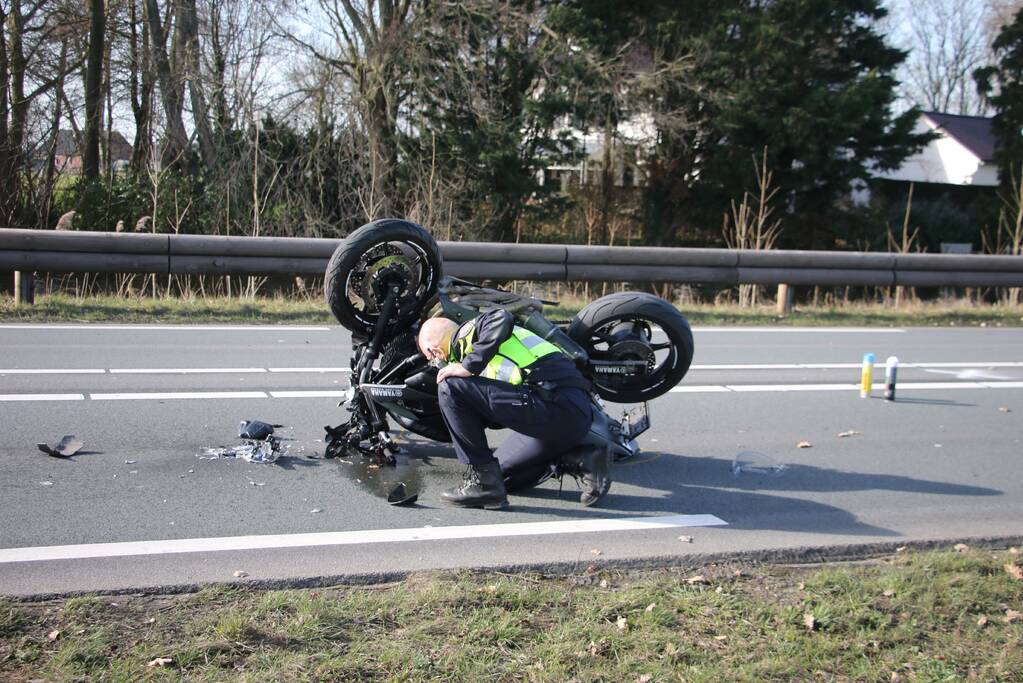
x,y
754,462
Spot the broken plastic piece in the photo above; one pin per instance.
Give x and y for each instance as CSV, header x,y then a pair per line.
x,y
267,451
753,462
399,495
67,447
254,429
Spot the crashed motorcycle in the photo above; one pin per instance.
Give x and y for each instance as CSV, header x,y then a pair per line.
x,y
387,277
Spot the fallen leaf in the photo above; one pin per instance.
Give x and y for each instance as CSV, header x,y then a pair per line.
x,y
53,635
810,622
650,607
720,637
851,432
316,511
982,622
1004,409
693,580
686,539
1014,571
240,574
901,549
737,573
645,678
889,593
801,586
804,444
671,650
591,570
603,583
160,661
151,620
1012,615
622,624
895,677
960,547
595,551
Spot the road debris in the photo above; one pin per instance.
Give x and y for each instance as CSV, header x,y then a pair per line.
x,y
851,432
1014,570
263,452
160,661
804,444
316,511
754,462
960,547
686,539
256,430
46,483
810,622
67,447
240,574
399,495
1004,409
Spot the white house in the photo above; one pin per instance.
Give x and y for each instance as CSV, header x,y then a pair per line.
x,y
962,155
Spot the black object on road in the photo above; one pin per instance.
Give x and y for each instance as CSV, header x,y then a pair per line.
x,y
254,429
399,495
67,447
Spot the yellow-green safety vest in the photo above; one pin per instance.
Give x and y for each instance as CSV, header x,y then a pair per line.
x,y
513,357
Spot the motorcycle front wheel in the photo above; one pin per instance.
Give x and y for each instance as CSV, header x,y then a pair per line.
x,y
385,255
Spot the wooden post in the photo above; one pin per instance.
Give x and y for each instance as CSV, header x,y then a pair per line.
x,y
784,302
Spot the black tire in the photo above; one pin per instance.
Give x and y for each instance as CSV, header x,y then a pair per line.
x,y
337,284
646,310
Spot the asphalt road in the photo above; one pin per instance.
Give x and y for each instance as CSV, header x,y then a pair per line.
x,y
138,509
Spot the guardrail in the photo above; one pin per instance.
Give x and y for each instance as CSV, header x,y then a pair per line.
x,y
104,252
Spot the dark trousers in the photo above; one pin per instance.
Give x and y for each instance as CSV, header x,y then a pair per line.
x,y
545,426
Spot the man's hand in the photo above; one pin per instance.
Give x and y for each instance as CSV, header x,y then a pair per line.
x,y
452,370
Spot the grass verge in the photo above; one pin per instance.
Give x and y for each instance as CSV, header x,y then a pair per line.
x,y
932,616
280,310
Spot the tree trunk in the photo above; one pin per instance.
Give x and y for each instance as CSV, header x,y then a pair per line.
x,y
187,49
94,90
171,93
141,85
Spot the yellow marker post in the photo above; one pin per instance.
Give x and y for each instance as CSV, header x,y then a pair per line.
x,y
865,375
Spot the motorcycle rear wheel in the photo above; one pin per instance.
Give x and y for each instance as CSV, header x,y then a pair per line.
x,y
620,327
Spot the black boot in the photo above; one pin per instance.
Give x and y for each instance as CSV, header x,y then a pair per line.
x,y
591,467
482,486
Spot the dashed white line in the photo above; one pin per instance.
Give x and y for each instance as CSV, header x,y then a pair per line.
x,y
309,369
42,397
308,394
334,538
182,371
52,371
179,395
99,327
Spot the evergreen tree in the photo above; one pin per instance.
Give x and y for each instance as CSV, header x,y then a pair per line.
x,y
1002,86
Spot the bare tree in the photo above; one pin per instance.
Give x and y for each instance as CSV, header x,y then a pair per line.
x,y
93,89
946,40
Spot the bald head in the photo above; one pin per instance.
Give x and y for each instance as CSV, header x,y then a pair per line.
x,y
435,337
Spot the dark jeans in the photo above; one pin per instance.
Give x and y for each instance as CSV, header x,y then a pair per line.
x,y
545,426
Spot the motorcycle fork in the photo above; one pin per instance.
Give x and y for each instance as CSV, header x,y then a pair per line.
x,y
382,446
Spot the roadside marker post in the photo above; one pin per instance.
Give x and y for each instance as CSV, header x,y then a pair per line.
x,y
891,371
865,375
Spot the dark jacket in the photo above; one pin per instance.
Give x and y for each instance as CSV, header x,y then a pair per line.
x,y
493,328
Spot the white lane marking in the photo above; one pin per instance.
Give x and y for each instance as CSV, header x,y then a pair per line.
x,y
332,538
308,394
790,387
801,330
704,389
309,369
1003,385
177,395
181,371
52,371
42,397
325,370
200,328
969,373
941,385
